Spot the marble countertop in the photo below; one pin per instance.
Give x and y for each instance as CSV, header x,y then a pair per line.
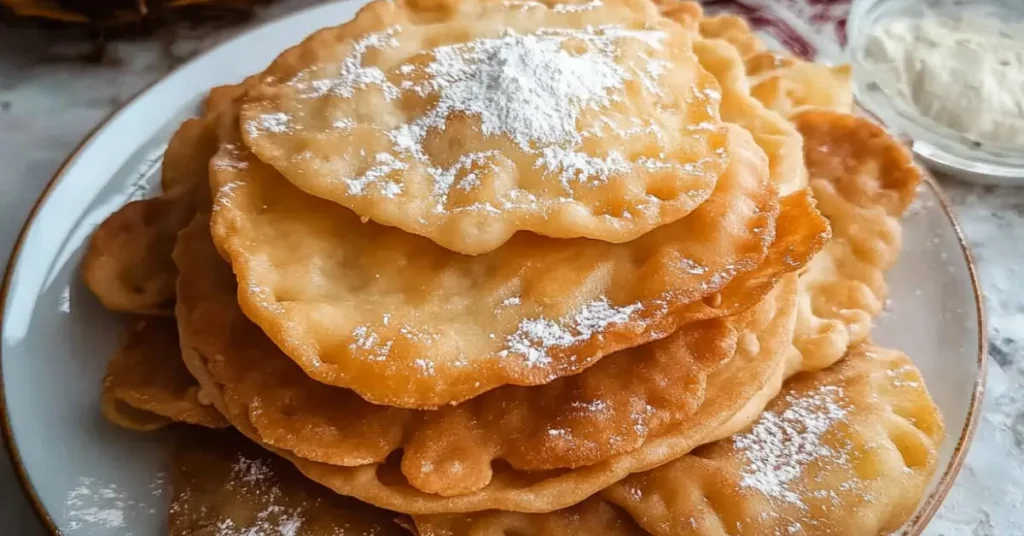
x,y
50,99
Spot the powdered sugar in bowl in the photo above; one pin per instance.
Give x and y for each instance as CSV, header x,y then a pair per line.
x,y
949,74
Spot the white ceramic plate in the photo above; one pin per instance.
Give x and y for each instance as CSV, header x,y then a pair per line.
x,y
89,478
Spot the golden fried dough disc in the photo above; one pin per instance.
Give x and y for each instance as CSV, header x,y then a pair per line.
x,y
465,121
224,485
609,409
686,13
765,330
782,82
734,30
212,337
845,451
848,450
405,322
249,378
147,386
779,139
791,85
863,162
128,262
863,180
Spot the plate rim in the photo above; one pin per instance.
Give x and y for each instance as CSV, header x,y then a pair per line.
x,y
913,526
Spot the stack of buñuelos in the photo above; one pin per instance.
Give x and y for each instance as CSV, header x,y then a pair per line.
x,y
523,267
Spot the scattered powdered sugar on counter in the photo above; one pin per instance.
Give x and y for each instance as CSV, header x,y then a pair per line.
x,y
780,446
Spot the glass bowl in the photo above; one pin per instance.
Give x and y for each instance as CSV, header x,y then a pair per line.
x,y
943,148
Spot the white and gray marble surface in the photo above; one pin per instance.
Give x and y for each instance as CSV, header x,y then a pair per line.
x,y
50,99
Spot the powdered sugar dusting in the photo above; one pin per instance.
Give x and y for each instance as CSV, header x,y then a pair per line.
x,y
535,337
351,74
229,158
384,164
531,88
344,124
367,343
575,8
275,123
254,478
511,301
99,508
522,5
780,446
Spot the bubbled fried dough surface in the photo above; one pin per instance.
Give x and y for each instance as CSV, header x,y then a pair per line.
x,y
766,328
204,325
782,82
468,121
224,485
609,409
725,60
147,386
846,451
863,180
405,322
127,264
796,85
733,30
777,137
866,164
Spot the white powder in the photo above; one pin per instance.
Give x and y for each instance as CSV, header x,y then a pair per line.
x,y
691,267
535,337
255,479
383,165
509,302
352,75
560,433
425,367
528,87
580,167
964,71
344,124
251,472
575,8
96,507
275,123
367,343
521,5
229,158
779,447
595,406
